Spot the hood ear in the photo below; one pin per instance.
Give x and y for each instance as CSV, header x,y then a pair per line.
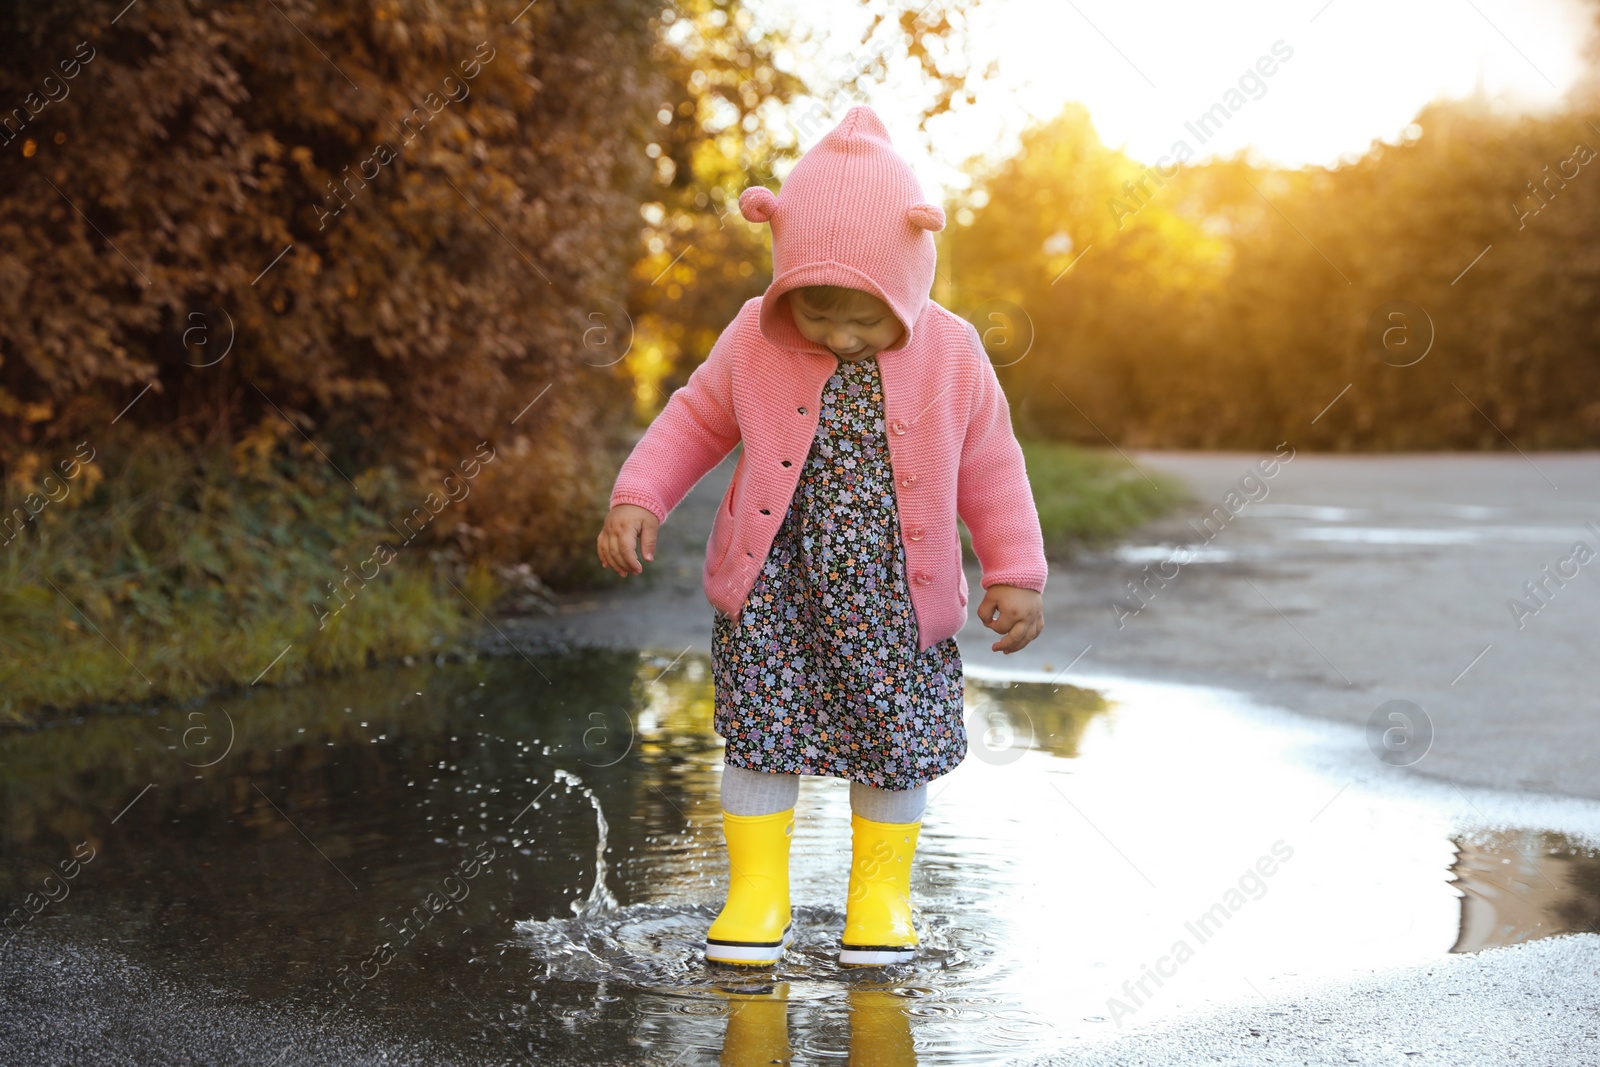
x,y
757,203
927,215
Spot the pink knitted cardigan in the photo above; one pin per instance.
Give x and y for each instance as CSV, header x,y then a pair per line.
x,y
851,213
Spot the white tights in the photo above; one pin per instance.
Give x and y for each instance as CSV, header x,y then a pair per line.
x,y
747,792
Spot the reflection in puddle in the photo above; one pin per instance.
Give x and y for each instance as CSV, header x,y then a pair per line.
x,y
1519,885
1104,857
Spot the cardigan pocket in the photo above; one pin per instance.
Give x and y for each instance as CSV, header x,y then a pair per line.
x,y
722,526
721,540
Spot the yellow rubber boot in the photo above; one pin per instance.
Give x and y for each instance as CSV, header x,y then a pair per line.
x,y
755,925
877,925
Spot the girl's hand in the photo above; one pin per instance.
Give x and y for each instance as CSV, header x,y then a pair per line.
x,y
1020,615
622,530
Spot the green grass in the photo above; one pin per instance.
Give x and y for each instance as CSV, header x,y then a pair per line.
x,y
1091,497
161,577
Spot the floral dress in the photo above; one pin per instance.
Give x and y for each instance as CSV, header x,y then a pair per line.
x,y
821,673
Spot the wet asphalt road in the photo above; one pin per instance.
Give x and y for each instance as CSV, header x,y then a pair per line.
x,y
1353,581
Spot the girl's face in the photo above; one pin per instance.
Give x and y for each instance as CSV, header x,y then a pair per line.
x,y
852,332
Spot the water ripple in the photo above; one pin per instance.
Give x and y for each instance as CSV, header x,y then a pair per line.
x,y
660,948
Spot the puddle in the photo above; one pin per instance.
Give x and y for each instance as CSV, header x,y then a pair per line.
x,y
1334,513
1317,512
1179,554
1411,535
521,864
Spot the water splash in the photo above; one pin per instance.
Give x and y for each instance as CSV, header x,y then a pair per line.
x,y
601,899
660,948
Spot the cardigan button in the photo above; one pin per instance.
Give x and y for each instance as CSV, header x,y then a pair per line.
x,y
908,481
921,578
801,410
897,426
915,533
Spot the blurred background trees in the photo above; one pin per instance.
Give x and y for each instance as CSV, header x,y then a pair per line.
x,y
1235,302
397,215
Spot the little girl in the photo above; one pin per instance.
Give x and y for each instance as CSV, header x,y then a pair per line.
x,y
871,417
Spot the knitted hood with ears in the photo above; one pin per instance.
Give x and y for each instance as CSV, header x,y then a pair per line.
x,y
850,213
